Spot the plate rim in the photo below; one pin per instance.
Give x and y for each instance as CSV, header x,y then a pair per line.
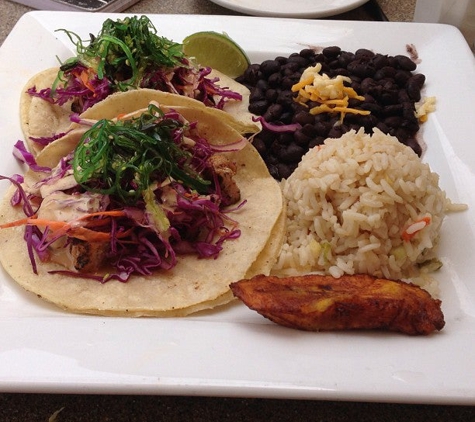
x,y
412,385
271,9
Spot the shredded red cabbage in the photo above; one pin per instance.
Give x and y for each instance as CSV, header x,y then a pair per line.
x,y
46,140
21,153
292,127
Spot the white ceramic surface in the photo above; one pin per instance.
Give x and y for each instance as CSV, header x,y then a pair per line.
x,y
291,8
233,351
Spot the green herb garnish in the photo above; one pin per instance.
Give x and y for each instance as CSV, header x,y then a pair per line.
x,y
124,158
124,50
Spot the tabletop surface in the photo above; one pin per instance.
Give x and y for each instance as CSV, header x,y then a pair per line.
x,y
75,408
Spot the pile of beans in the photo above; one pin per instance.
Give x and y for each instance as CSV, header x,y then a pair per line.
x,y
388,83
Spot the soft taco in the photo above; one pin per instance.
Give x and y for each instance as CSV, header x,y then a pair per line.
x,y
127,54
171,247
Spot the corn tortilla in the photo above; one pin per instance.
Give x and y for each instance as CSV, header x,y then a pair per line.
x,y
40,118
194,284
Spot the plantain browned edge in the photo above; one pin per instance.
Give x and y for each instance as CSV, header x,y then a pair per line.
x,y
352,302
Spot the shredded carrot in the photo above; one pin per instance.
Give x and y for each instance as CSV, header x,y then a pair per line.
x,y
415,228
113,213
72,228
85,75
16,223
83,233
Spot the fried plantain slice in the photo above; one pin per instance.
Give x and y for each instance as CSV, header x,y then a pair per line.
x,y
315,302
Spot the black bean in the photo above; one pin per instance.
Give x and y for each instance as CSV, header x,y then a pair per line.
x,y
262,85
293,153
266,136
405,63
308,53
336,131
302,139
373,107
242,80
304,117
268,67
393,62
419,79
410,125
402,133
413,89
258,107
380,61
285,138
325,68
284,170
331,52
316,141
310,130
302,62
289,81
319,58
412,143
260,145
289,68
367,85
389,96
285,97
385,72
383,127
367,121
273,113
272,159
287,117
345,58
256,94
387,83
393,110
361,68
364,53
354,102
356,85
403,96
339,71
274,171
275,80
393,121
271,95
253,73
401,77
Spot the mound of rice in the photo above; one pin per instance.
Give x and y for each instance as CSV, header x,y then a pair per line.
x,y
349,202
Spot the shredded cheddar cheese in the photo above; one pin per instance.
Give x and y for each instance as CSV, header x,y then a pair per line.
x,y
331,93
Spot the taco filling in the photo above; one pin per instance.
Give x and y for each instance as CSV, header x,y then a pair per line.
x,y
127,54
133,193
152,213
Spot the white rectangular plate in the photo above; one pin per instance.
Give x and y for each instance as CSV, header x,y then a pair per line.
x,y
233,351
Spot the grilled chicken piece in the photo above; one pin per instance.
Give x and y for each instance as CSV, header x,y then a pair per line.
x,y
314,302
87,256
225,169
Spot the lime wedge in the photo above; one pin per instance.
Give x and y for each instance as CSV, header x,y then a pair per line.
x,y
217,51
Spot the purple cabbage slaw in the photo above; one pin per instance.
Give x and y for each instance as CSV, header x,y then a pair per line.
x,y
198,223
